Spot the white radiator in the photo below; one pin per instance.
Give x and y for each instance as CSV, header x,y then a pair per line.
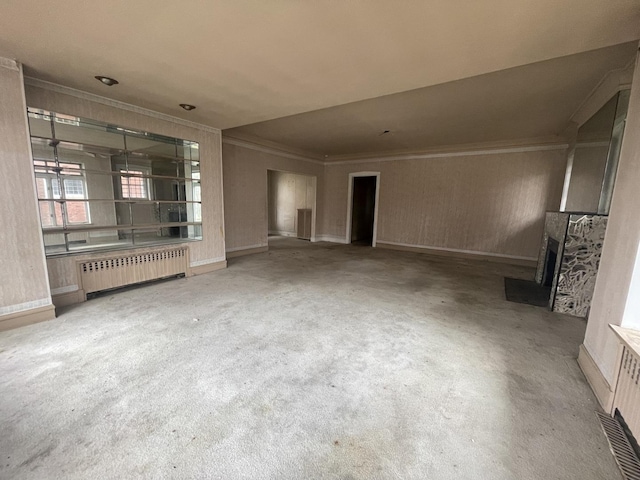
x,y
627,396
112,272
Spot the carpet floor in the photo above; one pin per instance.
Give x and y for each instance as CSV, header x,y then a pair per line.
x,y
310,361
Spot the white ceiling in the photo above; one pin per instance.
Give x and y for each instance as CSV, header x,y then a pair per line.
x,y
532,102
246,61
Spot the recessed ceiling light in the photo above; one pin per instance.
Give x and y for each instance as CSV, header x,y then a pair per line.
x,y
188,107
106,80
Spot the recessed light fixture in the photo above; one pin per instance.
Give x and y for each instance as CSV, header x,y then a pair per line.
x,y
107,80
188,107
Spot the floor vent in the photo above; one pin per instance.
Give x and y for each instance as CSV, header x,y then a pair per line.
x,y
114,272
624,454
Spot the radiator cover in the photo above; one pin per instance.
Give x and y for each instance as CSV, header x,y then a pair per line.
x,y
627,394
118,271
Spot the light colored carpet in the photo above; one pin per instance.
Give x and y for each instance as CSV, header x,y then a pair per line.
x,y
312,361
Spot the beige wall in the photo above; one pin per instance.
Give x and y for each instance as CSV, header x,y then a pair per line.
x,y
208,251
486,203
245,190
287,193
614,282
23,276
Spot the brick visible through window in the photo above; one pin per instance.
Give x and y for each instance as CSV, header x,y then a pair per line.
x,y
133,187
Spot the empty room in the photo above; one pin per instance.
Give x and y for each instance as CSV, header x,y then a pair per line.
x,y
274,239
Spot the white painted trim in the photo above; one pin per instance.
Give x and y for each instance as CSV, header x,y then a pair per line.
x,y
602,390
9,63
610,84
272,151
67,289
457,250
207,262
592,144
330,238
248,247
282,234
462,153
350,204
21,307
54,87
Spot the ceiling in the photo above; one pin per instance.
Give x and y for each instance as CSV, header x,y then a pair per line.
x,y
534,101
247,61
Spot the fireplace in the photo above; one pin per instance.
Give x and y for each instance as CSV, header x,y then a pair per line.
x,y
551,257
568,259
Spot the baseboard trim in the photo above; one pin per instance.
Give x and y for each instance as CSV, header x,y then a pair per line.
x,y
208,267
68,298
596,380
27,317
330,238
247,251
283,234
453,252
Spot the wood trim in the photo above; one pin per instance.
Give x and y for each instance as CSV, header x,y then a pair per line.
x,y
247,251
26,317
597,382
54,87
469,254
208,268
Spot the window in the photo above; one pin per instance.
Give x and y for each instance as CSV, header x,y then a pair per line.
x,y
103,186
133,187
48,179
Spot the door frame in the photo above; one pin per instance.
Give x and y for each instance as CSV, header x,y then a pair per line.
x,y
350,204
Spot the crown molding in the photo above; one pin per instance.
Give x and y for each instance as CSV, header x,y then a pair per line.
x,y
611,83
398,157
271,150
92,97
10,64
459,153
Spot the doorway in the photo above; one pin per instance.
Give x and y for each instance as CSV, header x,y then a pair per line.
x,y
363,208
291,204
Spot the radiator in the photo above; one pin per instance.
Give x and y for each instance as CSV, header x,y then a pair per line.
x,y
627,396
113,272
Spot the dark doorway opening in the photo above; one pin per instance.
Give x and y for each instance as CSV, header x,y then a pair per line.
x,y
550,262
363,210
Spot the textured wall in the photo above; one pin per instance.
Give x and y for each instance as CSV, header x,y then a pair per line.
x,y
211,248
23,276
488,203
245,191
287,193
614,282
